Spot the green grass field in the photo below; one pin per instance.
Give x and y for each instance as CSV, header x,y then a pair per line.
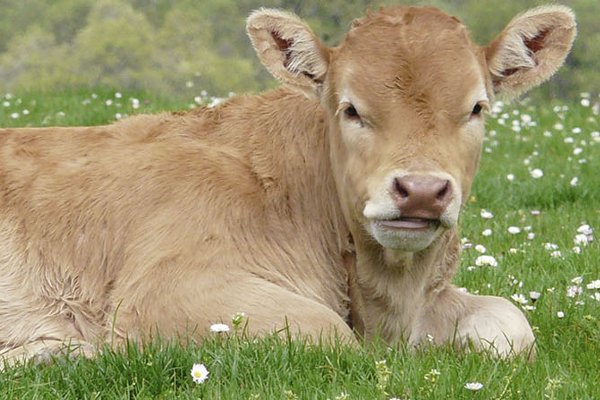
x,y
538,188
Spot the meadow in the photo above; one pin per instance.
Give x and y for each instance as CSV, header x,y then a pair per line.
x,y
528,235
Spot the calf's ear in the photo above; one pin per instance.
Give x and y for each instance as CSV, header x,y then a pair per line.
x,y
288,49
530,49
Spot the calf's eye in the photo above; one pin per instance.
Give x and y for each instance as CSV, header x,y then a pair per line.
x,y
352,115
477,109
350,112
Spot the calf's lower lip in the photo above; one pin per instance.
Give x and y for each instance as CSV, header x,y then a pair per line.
x,y
408,223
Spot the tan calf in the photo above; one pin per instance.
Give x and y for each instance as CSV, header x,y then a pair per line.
x,y
332,200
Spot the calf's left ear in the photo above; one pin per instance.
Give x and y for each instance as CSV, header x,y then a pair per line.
x,y
530,49
288,49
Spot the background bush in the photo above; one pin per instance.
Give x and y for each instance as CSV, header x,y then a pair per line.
x,y
177,47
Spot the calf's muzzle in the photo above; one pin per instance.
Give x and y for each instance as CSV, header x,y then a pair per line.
x,y
421,196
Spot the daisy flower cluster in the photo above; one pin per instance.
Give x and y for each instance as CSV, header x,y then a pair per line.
x,y
14,106
582,238
199,371
116,104
525,129
520,233
203,99
578,288
237,320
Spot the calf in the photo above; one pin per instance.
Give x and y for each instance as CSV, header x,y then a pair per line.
x,y
330,201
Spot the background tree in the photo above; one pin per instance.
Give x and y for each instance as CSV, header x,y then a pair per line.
x,y
181,47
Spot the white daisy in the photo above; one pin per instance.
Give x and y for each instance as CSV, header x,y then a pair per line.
x,y
485,214
556,254
473,386
594,284
513,230
536,173
585,229
219,328
199,373
480,248
519,298
581,239
486,261
533,295
573,291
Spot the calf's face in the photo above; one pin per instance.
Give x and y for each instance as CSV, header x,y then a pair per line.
x,y
406,92
408,123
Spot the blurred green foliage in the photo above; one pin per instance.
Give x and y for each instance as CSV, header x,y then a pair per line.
x,y
177,47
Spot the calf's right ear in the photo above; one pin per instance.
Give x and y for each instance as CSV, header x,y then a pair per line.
x,y
530,49
288,49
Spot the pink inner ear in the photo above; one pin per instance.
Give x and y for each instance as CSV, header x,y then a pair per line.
x,y
284,46
536,43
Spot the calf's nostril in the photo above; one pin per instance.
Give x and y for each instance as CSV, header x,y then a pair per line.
x,y
444,191
400,188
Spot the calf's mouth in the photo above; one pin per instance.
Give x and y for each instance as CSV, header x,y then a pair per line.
x,y
409,223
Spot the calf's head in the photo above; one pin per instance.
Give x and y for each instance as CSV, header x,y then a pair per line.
x,y
406,93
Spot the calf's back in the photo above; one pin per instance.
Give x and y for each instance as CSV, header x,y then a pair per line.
x,y
145,220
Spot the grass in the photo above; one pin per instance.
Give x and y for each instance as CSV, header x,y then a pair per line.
x,y
559,139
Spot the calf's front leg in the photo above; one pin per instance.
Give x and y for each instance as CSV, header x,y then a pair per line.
x,y
488,323
496,324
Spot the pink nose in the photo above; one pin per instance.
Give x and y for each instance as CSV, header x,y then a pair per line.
x,y
422,196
